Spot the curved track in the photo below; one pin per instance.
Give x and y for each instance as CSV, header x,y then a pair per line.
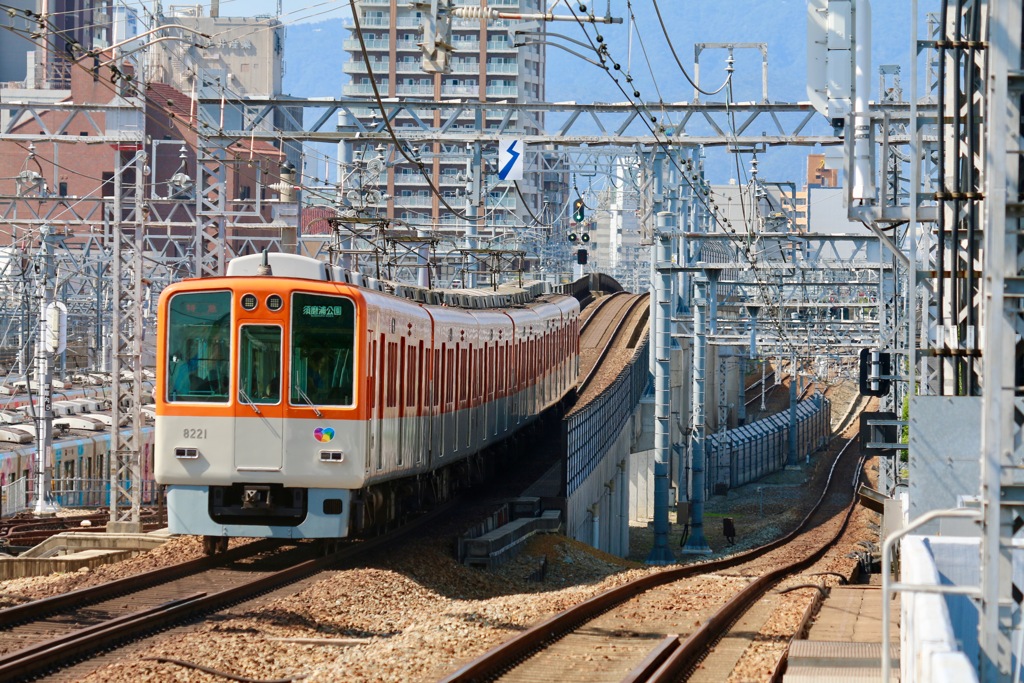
x,y
658,627
615,319
596,310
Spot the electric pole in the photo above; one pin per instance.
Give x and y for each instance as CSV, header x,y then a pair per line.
x,y
48,341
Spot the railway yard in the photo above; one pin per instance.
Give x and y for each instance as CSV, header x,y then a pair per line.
x,y
401,608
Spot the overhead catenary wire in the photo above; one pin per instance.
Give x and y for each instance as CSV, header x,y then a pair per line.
x,y
672,49
401,150
703,197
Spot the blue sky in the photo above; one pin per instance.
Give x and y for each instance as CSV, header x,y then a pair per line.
x,y
292,11
780,23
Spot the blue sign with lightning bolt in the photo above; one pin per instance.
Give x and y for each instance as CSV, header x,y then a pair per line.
x,y
510,159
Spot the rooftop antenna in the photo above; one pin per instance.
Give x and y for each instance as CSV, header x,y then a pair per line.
x,y
264,267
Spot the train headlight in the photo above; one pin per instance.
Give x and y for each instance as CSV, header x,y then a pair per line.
x,y
250,302
274,302
332,456
186,453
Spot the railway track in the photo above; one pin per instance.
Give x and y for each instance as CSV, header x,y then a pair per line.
x,y
659,627
21,532
43,636
596,310
615,322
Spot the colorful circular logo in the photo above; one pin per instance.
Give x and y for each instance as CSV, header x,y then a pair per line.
x,y
323,434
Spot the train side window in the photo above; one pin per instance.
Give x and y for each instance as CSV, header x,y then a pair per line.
x,y
504,369
404,358
371,362
382,349
442,377
458,372
481,374
198,347
466,369
449,391
492,370
392,372
418,377
436,371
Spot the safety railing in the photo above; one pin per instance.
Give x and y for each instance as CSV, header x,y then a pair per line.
x,y
589,433
745,454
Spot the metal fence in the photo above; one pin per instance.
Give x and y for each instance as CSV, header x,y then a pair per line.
x,y
740,456
589,433
14,497
88,493
20,495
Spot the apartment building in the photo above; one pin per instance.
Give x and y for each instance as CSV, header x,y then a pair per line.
x,y
486,66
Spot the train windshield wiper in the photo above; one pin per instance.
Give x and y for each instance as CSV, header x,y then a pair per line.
x,y
248,401
305,398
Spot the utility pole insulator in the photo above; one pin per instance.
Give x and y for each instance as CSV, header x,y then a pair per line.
x,y
437,35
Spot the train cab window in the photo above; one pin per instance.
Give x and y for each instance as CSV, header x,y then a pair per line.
x,y
259,364
198,347
323,337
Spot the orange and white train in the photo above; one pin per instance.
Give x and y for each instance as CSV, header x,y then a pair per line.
x,y
292,404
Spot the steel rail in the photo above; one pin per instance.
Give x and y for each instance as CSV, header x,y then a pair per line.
x,y
592,373
598,306
697,645
91,595
58,652
536,638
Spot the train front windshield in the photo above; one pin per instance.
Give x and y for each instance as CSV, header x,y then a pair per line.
x,y
198,347
321,355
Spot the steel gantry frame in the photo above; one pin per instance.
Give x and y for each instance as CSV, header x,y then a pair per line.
x,y
120,251
127,228
618,124
1002,475
620,129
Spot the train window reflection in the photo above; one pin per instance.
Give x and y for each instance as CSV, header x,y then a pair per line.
x,y
321,354
198,347
259,364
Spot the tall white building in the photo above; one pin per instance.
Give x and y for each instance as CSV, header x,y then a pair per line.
x,y
485,67
246,52
615,244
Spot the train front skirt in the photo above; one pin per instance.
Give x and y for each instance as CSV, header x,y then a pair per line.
x,y
325,514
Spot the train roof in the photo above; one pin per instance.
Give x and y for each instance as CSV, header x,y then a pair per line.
x,y
79,412
304,267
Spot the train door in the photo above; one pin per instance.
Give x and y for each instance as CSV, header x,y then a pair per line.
x,y
472,405
503,365
489,368
467,395
443,392
458,392
418,379
375,401
433,405
403,419
259,427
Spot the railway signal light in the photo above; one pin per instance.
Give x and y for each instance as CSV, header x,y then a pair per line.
x,y
581,257
875,368
586,237
572,237
577,210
